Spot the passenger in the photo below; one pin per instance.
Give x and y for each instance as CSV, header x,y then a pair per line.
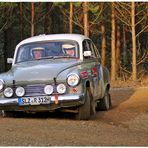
x,y
69,49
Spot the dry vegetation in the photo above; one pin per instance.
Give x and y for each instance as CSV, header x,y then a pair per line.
x,y
141,82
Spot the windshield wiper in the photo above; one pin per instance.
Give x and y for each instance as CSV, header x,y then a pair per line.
x,y
58,57
31,60
48,57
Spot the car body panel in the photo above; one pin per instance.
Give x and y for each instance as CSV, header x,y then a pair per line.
x,y
35,75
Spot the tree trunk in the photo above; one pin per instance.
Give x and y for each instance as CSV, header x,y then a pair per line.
x,y
70,17
134,67
5,50
103,43
85,19
47,18
21,21
118,48
124,46
113,53
32,18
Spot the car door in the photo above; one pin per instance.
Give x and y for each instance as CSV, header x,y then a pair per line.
x,y
93,63
100,71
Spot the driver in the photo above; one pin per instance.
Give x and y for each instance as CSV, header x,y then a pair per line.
x,y
37,52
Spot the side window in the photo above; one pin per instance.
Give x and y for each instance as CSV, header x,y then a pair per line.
x,y
96,51
91,48
85,46
88,45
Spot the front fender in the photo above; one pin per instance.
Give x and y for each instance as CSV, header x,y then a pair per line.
x,y
62,76
7,77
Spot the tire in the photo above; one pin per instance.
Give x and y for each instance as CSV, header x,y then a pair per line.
x,y
92,105
84,110
5,114
104,103
110,101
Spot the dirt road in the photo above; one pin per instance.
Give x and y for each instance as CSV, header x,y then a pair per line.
x,y
126,124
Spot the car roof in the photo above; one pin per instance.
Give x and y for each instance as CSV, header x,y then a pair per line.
x,y
75,37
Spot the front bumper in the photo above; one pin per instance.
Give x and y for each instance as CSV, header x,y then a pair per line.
x,y
64,101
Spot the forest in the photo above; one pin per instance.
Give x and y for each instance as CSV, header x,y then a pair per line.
x,y
118,29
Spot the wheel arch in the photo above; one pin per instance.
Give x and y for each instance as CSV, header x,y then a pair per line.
x,y
88,86
107,87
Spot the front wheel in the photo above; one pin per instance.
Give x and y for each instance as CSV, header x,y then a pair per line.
x,y
84,111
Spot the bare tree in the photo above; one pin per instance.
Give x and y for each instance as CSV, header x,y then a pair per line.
x,y
71,17
21,20
103,43
113,47
5,17
134,67
80,13
32,18
133,14
6,20
124,46
46,16
118,48
85,19
35,15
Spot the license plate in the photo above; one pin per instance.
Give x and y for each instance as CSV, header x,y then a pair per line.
x,y
34,100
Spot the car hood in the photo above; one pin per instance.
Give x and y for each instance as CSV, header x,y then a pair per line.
x,y
42,70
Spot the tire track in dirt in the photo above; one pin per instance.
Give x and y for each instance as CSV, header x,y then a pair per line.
x,y
126,124
129,106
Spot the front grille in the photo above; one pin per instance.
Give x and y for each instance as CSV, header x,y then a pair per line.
x,y
33,90
37,89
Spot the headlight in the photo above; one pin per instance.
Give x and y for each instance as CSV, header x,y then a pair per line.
x,y
20,91
73,80
1,84
61,88
48,89
8,92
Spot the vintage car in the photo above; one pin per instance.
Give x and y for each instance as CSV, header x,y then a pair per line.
x,y
55,72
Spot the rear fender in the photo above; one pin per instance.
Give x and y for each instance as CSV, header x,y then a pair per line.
x,y
106,80
107,88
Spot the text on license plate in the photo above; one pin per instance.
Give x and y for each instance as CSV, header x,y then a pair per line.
x,y
34,100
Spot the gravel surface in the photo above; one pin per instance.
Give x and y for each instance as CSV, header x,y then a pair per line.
x,y
126,124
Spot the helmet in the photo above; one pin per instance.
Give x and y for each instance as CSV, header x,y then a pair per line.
x,y
69,49
37,49
67,46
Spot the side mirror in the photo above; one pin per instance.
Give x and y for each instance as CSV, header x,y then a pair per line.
x,y
9,60
87,53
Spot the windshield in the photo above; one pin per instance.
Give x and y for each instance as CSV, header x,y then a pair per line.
x,y
45,50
